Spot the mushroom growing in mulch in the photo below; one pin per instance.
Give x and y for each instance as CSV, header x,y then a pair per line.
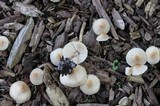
x,y
20,92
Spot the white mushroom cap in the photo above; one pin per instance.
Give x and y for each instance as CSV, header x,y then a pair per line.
x,y
76,51
4,42
91,86
56,56
36,76
102,37
139,69
101,26
123,101
20,92
153,55
76,78
55,1
136,56
128,71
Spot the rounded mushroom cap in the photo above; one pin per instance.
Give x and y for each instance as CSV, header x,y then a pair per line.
x,y
139,69
153,55
102,37
55,56
4,42
20,92
101,26
128,71
36,76
76,78
76,51
123,101
91,86
136,56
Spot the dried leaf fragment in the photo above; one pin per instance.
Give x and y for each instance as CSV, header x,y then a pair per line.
x,y
25,9
117,20
20,44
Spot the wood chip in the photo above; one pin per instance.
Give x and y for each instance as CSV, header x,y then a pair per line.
x,y
92,104
20,44
18,18
36,36
117,20
150,7
139,2
153,100
4,6
153,83
25,9
13,26
55,94
111,94
147,36
137,79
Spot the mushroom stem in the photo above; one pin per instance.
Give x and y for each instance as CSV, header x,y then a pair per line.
x,y
82,31
102,37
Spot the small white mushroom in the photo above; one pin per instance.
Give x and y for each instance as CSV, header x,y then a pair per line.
x,y
153,55
91,86
136,56
36,76
56,55
102,37
20,92
76,78
139,69
76,51
123,101
128,71
4,42
101,27
55,1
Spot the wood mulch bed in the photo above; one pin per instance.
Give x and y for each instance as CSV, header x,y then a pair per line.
x,y
36,27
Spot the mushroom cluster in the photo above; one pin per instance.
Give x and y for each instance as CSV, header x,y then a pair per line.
x,y
101,27
72,74
137,57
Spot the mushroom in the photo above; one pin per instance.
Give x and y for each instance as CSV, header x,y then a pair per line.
x,y
101,27
153,55
128,71
91,86
76,51
76,78
136,56
139,69
4,42
20,92
55,56
123,101
55,1
36,76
